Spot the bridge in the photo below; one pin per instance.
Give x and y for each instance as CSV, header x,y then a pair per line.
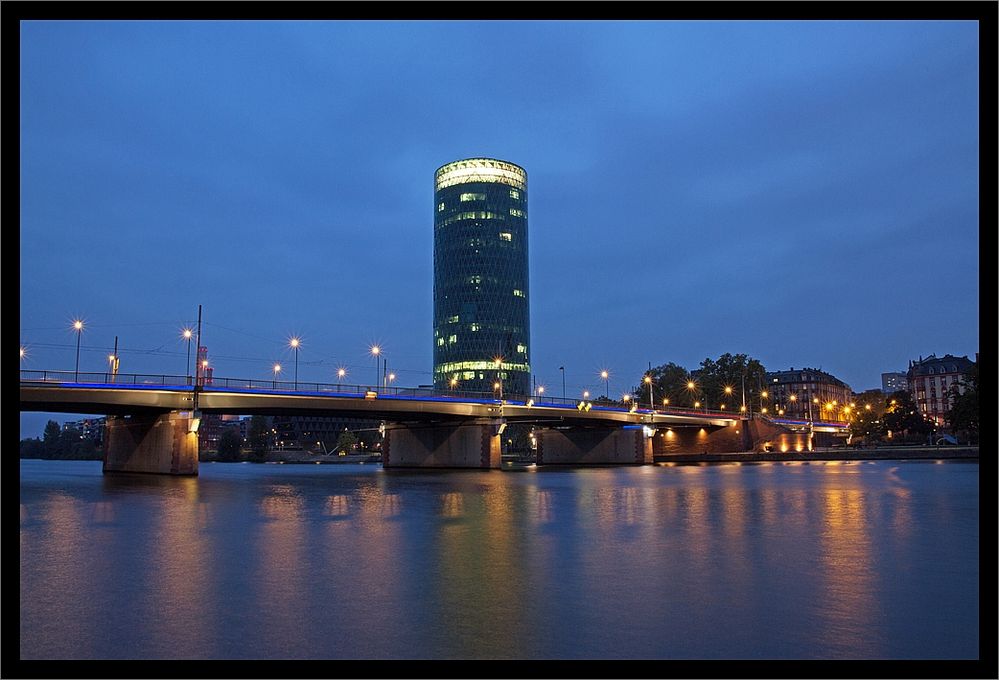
x,y
153,419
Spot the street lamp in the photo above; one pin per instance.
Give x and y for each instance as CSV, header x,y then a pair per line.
x,y
454,382
277,369
691,386
648,381
113,360
294,343
340,372
78,327
498,361
187,333
586,394
606,376
562,368
375,351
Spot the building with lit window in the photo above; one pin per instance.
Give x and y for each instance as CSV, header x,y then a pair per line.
x,y
808,394
481,292
930,382
894,382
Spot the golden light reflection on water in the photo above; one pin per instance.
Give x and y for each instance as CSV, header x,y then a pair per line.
x,y
177,601
843,609
67,541
452,504
479,588
337,505
541,499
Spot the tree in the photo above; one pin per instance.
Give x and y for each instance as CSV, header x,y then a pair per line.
x,y
52,440
902,416
230,444
257,437
730,371
963,415
669,381
32,448
867,419
346,442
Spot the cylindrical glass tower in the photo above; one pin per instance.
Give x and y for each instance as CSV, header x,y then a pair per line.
x,y
481,292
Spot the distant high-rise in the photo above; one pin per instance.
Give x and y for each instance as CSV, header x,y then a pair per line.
x,y
481,293
894,382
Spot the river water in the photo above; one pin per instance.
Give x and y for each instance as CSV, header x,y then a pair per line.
x,y
852,560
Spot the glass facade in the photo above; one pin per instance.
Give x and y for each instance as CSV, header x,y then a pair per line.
x,y
481,292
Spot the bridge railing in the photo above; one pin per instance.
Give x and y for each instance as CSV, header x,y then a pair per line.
x,y
73,378
105,378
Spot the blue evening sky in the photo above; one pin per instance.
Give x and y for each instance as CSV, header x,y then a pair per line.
x,y
804,192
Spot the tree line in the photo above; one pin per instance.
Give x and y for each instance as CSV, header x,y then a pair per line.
x,y
59,444
716,381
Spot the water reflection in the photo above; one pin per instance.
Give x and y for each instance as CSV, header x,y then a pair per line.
x,y
778,561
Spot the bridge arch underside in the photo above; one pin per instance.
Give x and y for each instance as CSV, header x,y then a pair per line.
x,y
687,439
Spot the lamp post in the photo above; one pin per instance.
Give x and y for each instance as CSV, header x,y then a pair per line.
x,y
339,376
541,391
562,368
78,327
375,351
606,376
498,361
277,369
113,360
294,343
691,386
187,334
648,381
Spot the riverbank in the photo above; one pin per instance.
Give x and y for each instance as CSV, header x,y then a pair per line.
x,y
969,453
299,457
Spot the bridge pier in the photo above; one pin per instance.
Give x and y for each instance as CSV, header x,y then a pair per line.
x,y
474,444
593,446
160,444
